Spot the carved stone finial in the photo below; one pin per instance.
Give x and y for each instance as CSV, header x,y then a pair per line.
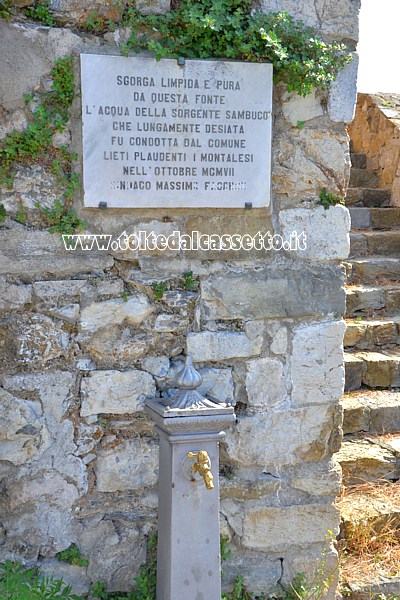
x,y
188,397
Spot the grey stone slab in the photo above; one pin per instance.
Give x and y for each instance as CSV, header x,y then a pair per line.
x,y
42,254
159,134
272,293
360,218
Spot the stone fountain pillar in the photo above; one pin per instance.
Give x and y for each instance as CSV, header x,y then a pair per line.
x,y
190,429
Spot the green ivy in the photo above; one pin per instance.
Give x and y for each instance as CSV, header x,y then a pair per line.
x,y
49,115
41,12
231,29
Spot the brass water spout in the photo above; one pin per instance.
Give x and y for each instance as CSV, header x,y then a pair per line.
x,y
203,467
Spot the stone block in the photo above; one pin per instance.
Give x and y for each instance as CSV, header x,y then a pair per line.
x,y
71,575
265,383
14,297
380,370
339,16
39,515
276,529
170,323
317,370
288,437
22,431
354,369
42,255
301,108
28,60
273,293
156,365
32,339
316,479
360,218
113,312
308,159
221,345
343,93
356,414
327,231
279,336
360,298
133,464
116,392
217,384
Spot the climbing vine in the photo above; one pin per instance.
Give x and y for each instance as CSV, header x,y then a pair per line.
x,y
49,115
231,29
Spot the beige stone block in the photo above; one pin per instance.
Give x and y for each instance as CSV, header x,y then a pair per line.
x,y
221,345
271,439
275,529
130,465
327,231
317,370
116,392
265,383
113,312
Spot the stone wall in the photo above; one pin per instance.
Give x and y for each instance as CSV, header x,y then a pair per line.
x,y
84,341
375,132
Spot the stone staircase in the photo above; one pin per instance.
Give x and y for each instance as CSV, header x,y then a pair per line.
x,y
370,452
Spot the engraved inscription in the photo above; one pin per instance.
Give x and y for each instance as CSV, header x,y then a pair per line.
x,y
157,134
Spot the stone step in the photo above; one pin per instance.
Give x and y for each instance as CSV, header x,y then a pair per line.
x,y
365,334
373,270
369,458
371,411
358,160
375,243
370,197
380,587
375,218
372,369
363,178
361,299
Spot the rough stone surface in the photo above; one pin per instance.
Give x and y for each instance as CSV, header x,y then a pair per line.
x,y
317,364
21,430
112,312
217,384
115,392
301,108
289,437
265,383
43,254
272,293
221,345
14,297
299,171
121,467
328,17
343,93
272,528
327,231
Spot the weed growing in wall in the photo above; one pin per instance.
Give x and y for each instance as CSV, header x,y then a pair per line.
x,y
231,29
49,114
41,12
327,199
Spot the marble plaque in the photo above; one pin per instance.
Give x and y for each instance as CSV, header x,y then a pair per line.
x,y
160,134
